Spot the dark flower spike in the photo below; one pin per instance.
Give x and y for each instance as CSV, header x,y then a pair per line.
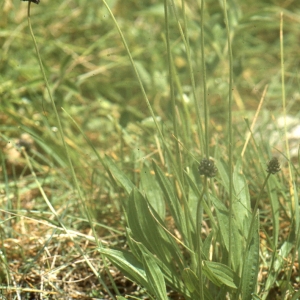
x,y
34,1
207,168
273,166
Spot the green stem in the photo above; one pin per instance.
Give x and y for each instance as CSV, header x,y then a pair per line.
x,y
257,201
230,135
198,237
204,82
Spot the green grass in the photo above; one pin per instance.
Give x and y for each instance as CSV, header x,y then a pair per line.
x,y
116,105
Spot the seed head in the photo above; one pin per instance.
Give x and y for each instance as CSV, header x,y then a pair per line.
x,y
207,168
273,166
34,1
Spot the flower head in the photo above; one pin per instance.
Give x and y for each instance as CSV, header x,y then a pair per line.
x,y
273,166
207,168
34,1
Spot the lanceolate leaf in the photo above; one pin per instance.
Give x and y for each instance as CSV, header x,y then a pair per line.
x,y
198,193
222,273
251,263
128,264
190,279
147,228
192,282
155,277
172,200
118,175
223,174
172,277
151,189
241,205
236,239
207,244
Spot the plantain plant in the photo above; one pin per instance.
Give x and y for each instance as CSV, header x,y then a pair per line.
x,y
166,209
191,226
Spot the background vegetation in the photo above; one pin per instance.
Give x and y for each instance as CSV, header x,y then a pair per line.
x,y
56,232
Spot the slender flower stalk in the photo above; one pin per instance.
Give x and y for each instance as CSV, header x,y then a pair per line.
x,y
209,170
272,168
205,101
230,133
